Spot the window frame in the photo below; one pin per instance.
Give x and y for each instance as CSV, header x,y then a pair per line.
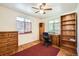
x,y
54,30
25,32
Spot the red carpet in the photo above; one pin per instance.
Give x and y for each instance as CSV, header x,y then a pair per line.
x,y
39,50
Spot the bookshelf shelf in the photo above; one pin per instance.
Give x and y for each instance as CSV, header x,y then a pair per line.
x,y
68,24
68,20
68,30
69,46
69,40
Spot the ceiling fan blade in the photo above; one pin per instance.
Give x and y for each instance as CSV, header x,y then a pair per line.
x,y
34,8
48,9
36,11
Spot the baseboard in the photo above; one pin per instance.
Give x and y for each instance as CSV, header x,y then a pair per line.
x,y
77,53
27,45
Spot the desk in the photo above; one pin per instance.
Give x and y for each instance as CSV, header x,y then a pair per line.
x,y
55,39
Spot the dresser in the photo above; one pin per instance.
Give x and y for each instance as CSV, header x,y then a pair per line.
x,y
8,43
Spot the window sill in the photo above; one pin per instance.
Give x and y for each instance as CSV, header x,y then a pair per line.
x,y
26,32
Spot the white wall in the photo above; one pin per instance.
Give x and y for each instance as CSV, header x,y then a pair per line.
x,y
31,36
8,23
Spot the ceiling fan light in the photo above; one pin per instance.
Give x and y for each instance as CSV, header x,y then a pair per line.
x,y
41,11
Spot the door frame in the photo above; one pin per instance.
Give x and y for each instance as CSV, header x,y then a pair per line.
x,y
43,25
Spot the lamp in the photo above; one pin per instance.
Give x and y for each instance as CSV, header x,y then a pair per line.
x,y
41,11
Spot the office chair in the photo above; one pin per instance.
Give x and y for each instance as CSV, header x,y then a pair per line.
x,y
47,40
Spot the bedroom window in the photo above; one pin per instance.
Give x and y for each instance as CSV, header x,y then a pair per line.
x,y
54,27
23,25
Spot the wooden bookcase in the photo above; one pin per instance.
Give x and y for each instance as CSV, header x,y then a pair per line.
x,y
69,32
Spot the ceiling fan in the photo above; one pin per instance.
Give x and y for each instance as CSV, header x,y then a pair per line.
x,y
42,8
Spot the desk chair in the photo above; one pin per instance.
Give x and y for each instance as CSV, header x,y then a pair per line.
x,y
47,40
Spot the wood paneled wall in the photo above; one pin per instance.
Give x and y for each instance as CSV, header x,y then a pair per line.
x,y
8,42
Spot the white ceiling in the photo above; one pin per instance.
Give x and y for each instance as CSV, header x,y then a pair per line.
x,y
26,8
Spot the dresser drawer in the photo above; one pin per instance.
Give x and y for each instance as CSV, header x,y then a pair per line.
x,y
11,43
14,47
12,34
3,50
3,39
12,39
3,45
